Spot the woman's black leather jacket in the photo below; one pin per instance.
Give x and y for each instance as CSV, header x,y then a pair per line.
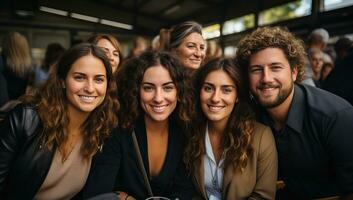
x,y
23,163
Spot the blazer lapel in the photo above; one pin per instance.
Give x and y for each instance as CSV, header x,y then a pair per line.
x,y
200,180
227,178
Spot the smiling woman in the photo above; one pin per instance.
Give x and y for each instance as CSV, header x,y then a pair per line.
x,y
48,141
229,155
187,43
155,107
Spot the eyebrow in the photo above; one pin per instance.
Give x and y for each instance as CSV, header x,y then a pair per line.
x,y
167,83
271,64
208,83
83,74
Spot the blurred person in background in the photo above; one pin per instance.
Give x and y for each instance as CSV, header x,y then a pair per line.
x,y
327,67
188,44
342,47
213,51
111,47
139,46
17,64
315,59
53,53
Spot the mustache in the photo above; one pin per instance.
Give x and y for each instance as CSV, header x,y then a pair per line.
x,y
268,85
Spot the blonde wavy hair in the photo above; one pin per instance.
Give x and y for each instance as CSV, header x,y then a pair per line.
x,y
238,133
16,50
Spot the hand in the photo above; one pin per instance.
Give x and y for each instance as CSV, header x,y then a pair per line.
x,y
124,196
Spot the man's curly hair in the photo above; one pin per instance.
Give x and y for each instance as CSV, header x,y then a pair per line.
x,y
273,37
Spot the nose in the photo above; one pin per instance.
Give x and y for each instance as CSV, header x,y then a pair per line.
x,y
266,76
198,52
216,96
158,96
89,87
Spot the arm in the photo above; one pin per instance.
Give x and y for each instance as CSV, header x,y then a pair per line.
x,y
267,165
104,168
339,140
9,143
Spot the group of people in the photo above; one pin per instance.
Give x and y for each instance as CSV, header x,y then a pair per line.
x,y
167,125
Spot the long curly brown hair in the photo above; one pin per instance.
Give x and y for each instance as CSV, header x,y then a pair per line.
x,y
52,103
239,129
130,76
277,37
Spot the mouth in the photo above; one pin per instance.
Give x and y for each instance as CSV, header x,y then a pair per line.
x,y
214,108
87,99
159,108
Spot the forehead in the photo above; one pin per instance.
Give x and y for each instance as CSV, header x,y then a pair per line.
x,y
219,77
105,43
194,38
268,56
157,74
89,65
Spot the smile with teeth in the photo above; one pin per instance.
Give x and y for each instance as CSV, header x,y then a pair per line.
x,y
159,108
87,99
215,108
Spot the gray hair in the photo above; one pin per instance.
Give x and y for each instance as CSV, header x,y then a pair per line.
x,y
181,31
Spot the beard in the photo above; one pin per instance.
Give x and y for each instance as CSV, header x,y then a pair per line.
x,y
273,102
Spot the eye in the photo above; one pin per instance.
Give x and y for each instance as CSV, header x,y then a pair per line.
x,y
256,70
99,80
116,54
147,88
79,78
207,88
168,88
276,68
227,90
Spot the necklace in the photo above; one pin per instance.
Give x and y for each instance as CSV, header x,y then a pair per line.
x,y
214,176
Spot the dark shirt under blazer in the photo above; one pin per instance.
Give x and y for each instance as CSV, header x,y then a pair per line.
x,y
315,148
117,169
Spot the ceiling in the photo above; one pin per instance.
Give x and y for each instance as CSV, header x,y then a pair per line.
x,y
146,16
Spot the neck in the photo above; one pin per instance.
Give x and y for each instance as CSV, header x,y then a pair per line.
x,y
156,128
279,113
76,120
217,128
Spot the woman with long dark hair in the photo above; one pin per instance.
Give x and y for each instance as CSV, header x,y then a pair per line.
x,y
47,142
155,111
229,154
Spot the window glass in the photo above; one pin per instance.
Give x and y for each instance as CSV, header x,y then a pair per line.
x,y
239,24
335,4
287,11
212,31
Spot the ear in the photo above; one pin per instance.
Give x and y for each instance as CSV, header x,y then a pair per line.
x,y
294,73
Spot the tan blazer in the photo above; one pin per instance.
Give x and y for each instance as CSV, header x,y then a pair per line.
x,y
258,180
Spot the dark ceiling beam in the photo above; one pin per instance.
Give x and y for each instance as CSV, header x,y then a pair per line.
x,y
170,6
132,11
208,2
143,2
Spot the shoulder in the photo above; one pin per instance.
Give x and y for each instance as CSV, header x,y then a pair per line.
x,y
262,136
324,103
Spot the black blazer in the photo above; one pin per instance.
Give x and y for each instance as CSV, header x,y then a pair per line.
x,y
117,169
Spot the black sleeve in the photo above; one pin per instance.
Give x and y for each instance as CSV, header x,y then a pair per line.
x,y
339,141
10,130
104,169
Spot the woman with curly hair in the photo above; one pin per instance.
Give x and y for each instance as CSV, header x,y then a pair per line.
x,y
156,106
47,142
111,47
229,154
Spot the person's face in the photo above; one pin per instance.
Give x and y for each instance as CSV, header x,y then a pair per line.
x,y
326,70
218,96
111,52
85,84
316,62
271,77
158,94
191,51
